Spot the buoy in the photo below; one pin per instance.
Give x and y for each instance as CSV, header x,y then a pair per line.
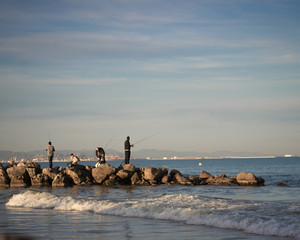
x,y
200,164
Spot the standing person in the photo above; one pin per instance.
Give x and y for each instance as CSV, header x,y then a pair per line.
x,y
100,154
50,149
127,147
74,160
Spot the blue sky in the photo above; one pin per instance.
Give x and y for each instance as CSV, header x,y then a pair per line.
x,y
204,75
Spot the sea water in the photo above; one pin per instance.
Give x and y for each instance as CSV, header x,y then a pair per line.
x,y
163,211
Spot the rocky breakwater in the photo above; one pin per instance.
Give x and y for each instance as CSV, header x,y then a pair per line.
x,y
30,174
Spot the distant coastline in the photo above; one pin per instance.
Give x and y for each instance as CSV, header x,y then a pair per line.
x,y
151,159
145,154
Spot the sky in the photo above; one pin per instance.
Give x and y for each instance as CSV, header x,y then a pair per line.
x,y
195,75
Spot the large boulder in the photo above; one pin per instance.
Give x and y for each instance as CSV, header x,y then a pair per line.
x,y
136,178
177,177
34,169
162,173
80,175
166,179
102,172
41,180
30,164
196,180
221,179
112,180
154,175
19,177
249,179
125,172
33,172
124,176
128,167
62,180
51,172
4,179
205,175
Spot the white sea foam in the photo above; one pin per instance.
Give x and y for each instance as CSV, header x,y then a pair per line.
x,y
266,218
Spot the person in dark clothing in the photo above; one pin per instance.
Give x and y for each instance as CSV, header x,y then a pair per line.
x,y
127,147
100,154
50,149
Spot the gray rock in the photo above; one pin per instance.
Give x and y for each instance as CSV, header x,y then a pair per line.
x,y
281,184
124,176
62,180
19,177
52,173
221,180
102,172
195,180
135,178
249,179
177,177
112,180
80,175
128,167
30,164
32,171
205,175
166,179
4,179
154,175
41,180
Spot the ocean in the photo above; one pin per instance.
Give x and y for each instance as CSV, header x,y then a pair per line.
x,y
164,211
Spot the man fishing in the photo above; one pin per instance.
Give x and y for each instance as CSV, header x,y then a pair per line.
x,y
100,154
127,147
50,149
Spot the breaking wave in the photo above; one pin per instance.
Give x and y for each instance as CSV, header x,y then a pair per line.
x,y
264,218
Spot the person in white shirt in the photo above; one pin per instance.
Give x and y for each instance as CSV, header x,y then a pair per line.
x,y
74,160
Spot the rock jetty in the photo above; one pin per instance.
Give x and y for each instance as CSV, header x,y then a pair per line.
x,y
30,173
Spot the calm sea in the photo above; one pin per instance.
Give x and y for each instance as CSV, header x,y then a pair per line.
x,y
163,212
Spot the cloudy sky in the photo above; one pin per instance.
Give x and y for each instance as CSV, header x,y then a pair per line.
x,y
203,75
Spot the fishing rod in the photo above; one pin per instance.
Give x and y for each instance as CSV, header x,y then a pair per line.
x,y
49,136
145,139
108,142
122,163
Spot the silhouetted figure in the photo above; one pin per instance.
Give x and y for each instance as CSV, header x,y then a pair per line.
x,y
100,153
50,149
127,147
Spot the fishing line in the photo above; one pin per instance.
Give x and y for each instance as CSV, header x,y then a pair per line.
x,y
49,136
109,142
145,138
141,141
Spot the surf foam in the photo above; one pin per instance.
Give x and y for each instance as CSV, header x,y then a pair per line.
x,y
265,218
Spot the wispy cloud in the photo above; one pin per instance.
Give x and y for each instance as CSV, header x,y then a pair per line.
x,y
134,65
81,81
15,79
